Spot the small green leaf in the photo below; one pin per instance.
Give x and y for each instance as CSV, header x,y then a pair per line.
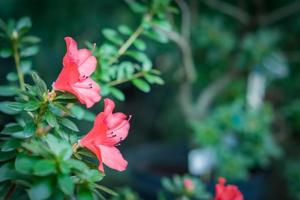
x,y
64,167
142,85
11,107
29,130
10,145
69,124
41,85
84,194
12,76
125,30
113,36
154,79
117,93
107,190
5,53
66,184
7,172
32,106
65,96
76,164
29,51
8,90
4,156
40,190
44,167
23,25
11,128
51,119
25,66
24,164
30,39
139,44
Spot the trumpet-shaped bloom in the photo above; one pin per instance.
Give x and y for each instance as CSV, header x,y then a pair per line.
x,y
229,192
108,131
78,65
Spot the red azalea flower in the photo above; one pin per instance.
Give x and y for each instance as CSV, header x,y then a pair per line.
x,y
229,192
108,131
78,65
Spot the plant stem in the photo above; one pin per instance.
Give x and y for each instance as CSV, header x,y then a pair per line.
x,y
10,192
17,63
131,39
117,82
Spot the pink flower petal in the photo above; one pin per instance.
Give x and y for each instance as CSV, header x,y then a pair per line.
x,y
112,157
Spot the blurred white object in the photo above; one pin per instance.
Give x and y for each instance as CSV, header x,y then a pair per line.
x,y
256,89
201,161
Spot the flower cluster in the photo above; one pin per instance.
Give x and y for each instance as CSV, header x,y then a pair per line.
x,y
109,128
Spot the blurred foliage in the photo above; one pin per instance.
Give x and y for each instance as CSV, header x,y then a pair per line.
x,y
223,44
183,188
126,193
240,138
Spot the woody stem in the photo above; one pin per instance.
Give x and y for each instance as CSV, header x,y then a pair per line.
x,y
17,63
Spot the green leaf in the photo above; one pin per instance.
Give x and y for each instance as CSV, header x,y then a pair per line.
x,y
64,167
12,76
5,52
139,44
24,163
32,106
76,164
29,130
44,167
94,175
11,107
65,96
29,51
112,36
7,172
142,85
107,190
30,39
41,85
137,7
17,131
66,184
10,145
51,119
142,58
117,93
23,25
8,90
11,128
69,124
125,30
25,66
84,194
4,156
154,79
41,190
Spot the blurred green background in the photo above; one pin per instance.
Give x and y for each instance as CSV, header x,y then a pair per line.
x,y
233,85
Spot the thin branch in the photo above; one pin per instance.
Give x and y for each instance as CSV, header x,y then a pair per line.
x,y
206,97
185,19
280,13
188,62
231,10
17,63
